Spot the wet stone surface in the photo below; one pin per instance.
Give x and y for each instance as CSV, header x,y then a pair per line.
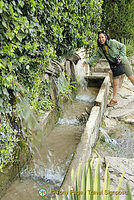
x,y
123,141
116,142
52,154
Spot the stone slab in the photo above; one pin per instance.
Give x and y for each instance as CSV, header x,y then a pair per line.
x,y
95,75
121,112
119,165
86,144
101,99
128,119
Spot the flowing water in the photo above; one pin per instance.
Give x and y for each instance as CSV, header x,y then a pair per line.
x,y
118,142
108,139
52,154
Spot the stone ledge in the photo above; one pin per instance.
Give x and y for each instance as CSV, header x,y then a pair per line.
x,y
95,75
86,144
90,135
101,99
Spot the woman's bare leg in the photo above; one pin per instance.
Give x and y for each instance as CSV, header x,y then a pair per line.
x,y
111,77
121,80
115,88
115,91
131,78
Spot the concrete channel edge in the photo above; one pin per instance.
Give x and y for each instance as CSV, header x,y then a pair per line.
x,y
90,135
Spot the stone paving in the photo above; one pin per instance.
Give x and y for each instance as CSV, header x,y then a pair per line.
x,y
113,120
113,117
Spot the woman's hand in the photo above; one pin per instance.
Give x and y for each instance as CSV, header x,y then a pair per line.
x,y
84,64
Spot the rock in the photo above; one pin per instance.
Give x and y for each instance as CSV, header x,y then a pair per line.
x,y
58,64
125,93
127,84
110,123
123,111
100,67
129,118
75,58
83,117
119,165
53,69
88,109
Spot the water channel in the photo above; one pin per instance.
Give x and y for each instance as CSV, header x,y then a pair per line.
x,y
53,154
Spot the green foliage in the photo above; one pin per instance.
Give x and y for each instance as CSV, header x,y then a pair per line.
x,y
65,86
8,141
117,18
86,185
32,33
129,46
38,95
129,196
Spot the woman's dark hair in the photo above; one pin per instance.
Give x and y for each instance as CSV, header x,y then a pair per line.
x,y
106,35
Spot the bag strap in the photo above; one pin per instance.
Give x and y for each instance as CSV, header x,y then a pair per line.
x,y
104,52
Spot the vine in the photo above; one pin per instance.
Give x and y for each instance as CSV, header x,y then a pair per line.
x,y
32,33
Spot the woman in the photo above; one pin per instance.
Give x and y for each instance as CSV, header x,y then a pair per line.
x,y
112,49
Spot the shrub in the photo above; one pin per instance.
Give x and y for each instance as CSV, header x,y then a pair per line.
x,y
8,140
32,33
86,187
117,18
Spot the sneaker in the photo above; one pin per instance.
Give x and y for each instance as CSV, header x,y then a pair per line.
x,y
112,103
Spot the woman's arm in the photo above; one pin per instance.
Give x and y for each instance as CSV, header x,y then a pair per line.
x,y
94,59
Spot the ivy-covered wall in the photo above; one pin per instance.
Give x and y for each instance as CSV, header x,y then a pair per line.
x,y
32,32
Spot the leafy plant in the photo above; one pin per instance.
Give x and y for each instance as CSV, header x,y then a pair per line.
x,y
38,95
32,33
8,140
117,18
85,187
65,86
129,43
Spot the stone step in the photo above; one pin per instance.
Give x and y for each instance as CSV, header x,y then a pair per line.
x,y
95,75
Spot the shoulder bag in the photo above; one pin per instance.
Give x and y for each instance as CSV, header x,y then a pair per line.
x,y
117,68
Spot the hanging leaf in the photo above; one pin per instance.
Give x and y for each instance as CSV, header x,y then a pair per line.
x,y
5,92
1,102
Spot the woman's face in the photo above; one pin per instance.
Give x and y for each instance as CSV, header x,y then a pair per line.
x,y
102,38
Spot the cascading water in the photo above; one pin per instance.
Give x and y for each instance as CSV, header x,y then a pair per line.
x,y
108,140
51,154
118,142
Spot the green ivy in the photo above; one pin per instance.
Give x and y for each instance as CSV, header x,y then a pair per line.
x,y
38,95
8,140
65,85
32,32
